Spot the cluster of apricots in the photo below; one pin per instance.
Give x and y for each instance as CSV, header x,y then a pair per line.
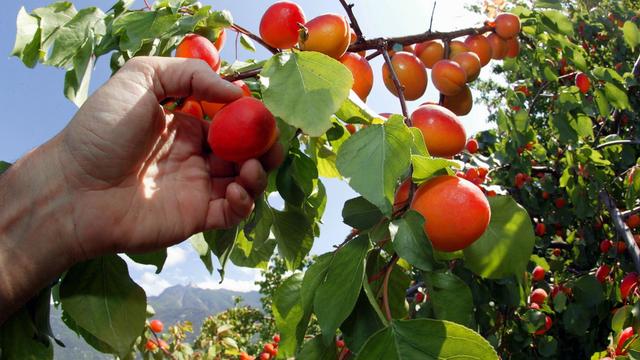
x,y
269,351
240,130
156,326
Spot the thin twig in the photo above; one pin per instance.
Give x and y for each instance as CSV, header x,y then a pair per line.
x,y
396,81
352,18
542,88
255,38
242,75
621,229
626,214
618,142
146,4
385,287
165,351
433,11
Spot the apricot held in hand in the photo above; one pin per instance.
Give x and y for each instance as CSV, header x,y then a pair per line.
x,y
242,130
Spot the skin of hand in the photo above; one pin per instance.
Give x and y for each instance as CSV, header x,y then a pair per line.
x,y
123,176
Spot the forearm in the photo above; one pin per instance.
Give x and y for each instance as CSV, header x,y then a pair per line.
x,y
36,230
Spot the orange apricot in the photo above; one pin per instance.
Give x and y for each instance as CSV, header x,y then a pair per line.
x,y
498,46
470,62
507,25
479,45
211,108
362,74
195,46
456,212
461,103
280,24
328,34
448,77
411,74
430,52
513,47
456,47
441,129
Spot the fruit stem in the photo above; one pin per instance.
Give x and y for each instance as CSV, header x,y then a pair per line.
x,y
254,37
396,82
352,18
165,351
385,286
626,214
433,11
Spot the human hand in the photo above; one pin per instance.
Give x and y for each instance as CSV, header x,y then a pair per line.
x,y
141,178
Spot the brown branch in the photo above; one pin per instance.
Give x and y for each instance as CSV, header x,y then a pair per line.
x,y
255,38
165,351
377,43
433,11
385,287
621,229
242,75
542,88
352,18
396,81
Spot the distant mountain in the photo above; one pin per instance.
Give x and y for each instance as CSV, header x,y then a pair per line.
x,y
177,303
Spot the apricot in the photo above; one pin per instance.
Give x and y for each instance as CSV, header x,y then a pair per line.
x,y
470,62
411,74
195,46
328,34
498,46
513,47
507,25
456,47
211,108
221,40
402,195
353,37
242,130
456,212
461,103
407,48
479,45
443,132
430,52
362,74
191,107
582,82
448,77
279,26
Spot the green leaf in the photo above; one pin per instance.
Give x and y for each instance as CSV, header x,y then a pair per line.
x,y
588,291
320,84
361,324
338,292
576,319
450,297
360,214
631,34
355,109
616,96
102,299
27,44
621,318
425,168
70,40
290,316
155,258
18,339
557,22
506,246
254,246
294,233
199,244
4,166
373,160
426,339
221,243
76,81
411,243
52,17
316,349
601,102
547,4
247,43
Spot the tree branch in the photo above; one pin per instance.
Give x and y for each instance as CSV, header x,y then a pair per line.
x,y
352,18
618,142
621,229
433,11
385,287
396,82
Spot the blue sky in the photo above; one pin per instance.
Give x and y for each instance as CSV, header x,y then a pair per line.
x,y
35,108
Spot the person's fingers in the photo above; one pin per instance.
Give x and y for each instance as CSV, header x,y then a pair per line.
x,y
252,177
230,210
180,77
273,158
220,168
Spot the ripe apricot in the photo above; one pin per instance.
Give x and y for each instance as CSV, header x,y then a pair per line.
x,y
362,73
242,130
156,326
513,47
583,83
538,273
195,46
456,212
328,34
479,45
507,25
547,325
538,296
624,341
456,47
192,107
402,195
498,46
472,146
411,74
448,77
461,103
470,62
211,108
353,37
430,52
279,25
443,132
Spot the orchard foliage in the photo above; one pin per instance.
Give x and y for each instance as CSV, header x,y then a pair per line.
x,y
385,292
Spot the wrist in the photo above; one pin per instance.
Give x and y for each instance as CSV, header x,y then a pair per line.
x,y
36,226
